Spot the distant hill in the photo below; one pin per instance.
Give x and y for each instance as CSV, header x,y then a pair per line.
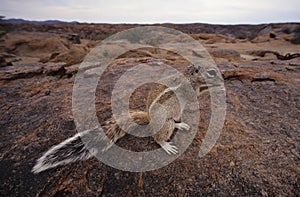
x,y
48,22
96,31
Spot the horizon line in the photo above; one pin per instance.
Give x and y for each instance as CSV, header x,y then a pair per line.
x,y
151,23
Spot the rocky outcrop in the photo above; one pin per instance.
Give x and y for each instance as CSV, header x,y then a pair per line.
x,y
44,47
228,54
101,31
36,69
257,153
287,56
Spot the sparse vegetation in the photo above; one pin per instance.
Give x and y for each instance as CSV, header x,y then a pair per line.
x,y
296,39
2,30
1,18
297,30
247,35
286,30
102,36
2,33
4,27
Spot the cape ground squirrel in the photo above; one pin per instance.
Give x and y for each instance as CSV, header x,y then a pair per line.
x,y
73,149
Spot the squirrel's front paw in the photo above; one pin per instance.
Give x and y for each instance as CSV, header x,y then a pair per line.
x,y
169,148
182,126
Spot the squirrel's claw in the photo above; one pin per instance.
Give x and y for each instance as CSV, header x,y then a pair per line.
x,y
182,126
169,148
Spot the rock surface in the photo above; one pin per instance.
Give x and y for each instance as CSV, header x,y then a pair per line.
x,y
257,154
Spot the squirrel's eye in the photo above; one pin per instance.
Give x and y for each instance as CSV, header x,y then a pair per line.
x,y
212,73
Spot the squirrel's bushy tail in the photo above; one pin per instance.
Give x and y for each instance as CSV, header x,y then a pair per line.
x,y
84,145
81,146
68,151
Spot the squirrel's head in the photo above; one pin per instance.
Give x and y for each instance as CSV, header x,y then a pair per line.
x,y
203,78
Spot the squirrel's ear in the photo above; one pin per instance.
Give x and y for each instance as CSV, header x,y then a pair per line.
x,y
69,151
190,70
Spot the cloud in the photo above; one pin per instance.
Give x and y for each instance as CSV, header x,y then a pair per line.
x,y
145,11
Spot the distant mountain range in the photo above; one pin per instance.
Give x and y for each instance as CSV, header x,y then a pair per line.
x,y
49,22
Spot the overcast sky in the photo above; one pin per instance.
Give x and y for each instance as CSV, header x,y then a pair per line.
x,y
155,11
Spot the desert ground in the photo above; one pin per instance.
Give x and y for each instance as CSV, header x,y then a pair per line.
x,y
257,153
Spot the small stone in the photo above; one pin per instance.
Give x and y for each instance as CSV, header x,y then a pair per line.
x,y
272,35
47,92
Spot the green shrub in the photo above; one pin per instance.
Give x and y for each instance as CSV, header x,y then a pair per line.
x,y
247,35
297,30
102,36
286,30
296,39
